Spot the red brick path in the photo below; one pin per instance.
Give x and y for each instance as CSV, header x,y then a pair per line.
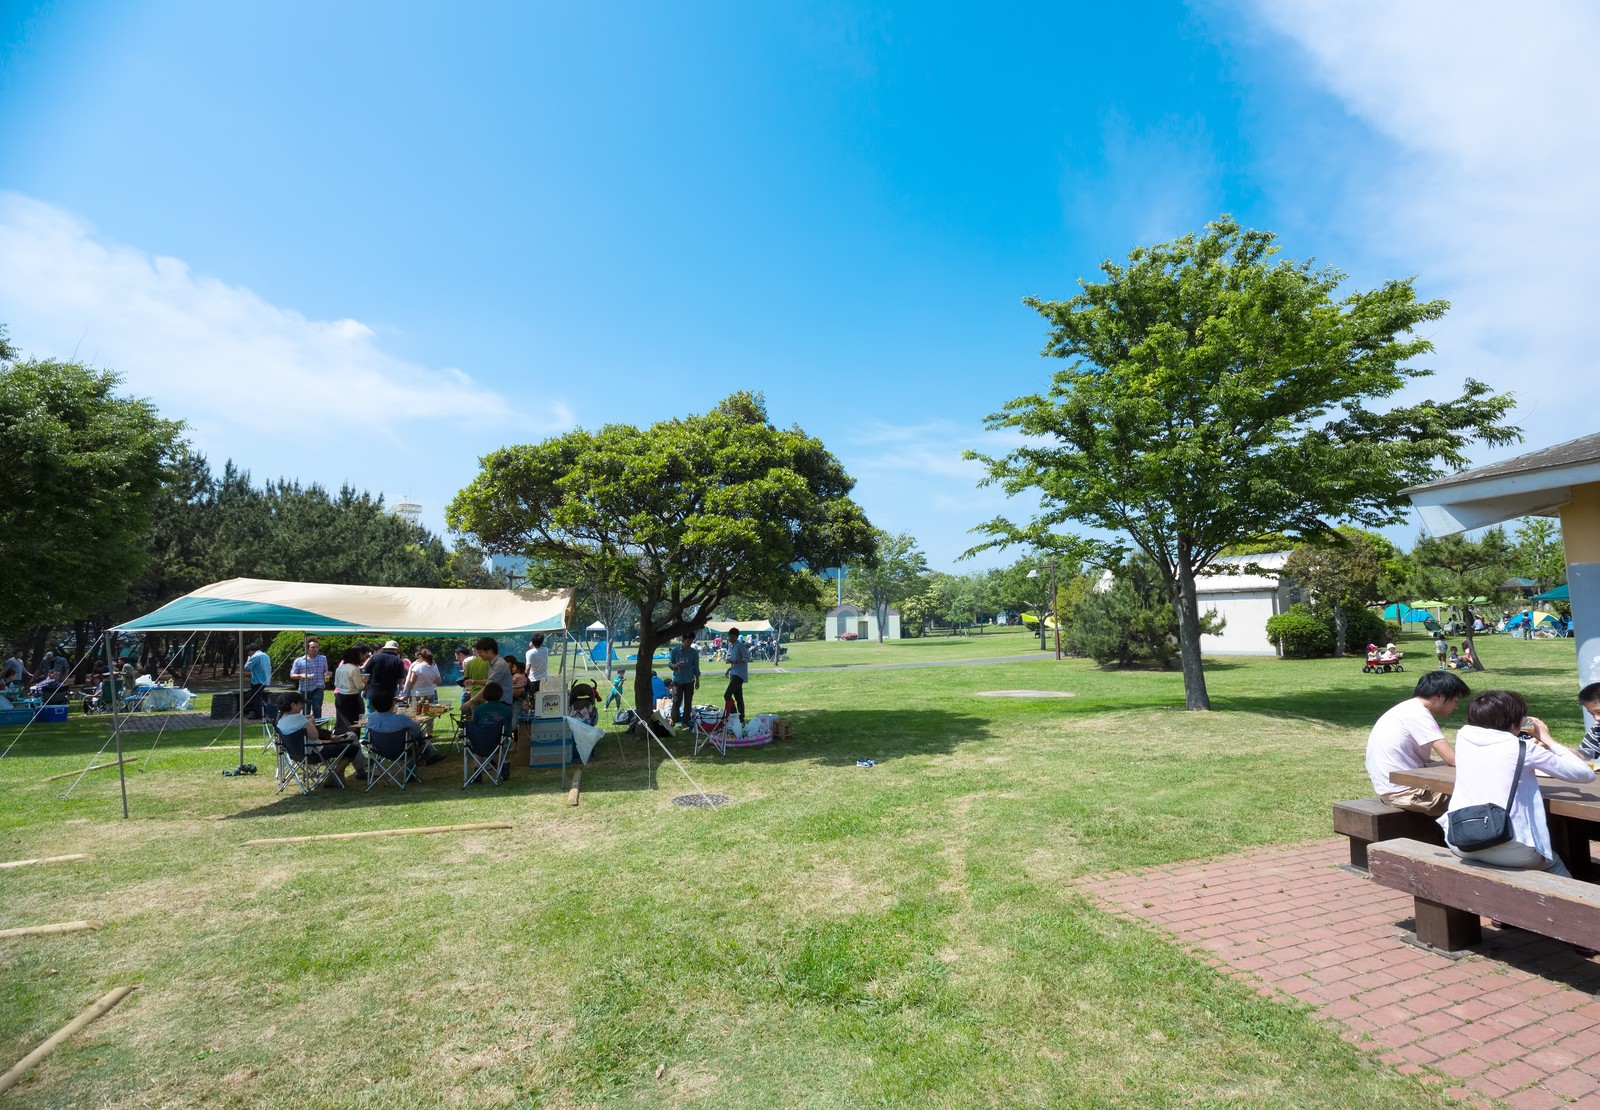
x,y
1517,1020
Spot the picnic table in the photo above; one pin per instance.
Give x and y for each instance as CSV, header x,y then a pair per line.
x,y
1572,809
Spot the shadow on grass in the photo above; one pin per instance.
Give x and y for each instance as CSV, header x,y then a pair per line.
x,y
829,737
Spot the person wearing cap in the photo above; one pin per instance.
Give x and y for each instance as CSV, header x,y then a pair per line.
x,y
385,672
258,664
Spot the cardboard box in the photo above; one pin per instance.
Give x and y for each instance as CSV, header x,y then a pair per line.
x,y
783,729
550,703
545,741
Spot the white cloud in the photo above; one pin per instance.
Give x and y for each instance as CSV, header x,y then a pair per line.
x,y
230,364
1488,192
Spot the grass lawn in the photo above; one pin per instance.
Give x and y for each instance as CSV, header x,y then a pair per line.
x,y
904,934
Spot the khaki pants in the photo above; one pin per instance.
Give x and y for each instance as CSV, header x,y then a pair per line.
x,y
1418,800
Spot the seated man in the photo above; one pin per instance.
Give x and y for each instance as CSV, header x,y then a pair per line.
x,y
1407,734
383,718
320,747
492,711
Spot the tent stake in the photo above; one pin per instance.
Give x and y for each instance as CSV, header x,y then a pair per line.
x,y
380,832
23,1066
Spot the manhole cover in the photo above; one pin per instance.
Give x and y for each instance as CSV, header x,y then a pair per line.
x,y
1024,694
701,800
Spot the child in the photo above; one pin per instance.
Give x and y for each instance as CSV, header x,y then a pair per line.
x,y
1455,660
1589,698
1372,655
1440,648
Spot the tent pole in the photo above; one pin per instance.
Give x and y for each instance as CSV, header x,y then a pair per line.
x,y
116,685
239,705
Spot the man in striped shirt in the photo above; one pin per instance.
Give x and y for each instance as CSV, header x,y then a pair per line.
x,y
311,671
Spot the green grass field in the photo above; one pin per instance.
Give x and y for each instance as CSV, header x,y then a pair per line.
x,y
904,934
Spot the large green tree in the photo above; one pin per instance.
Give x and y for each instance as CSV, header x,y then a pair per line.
x,y
894,575
1539,554
677,517
1458,570
1340,571
84,470
1213,394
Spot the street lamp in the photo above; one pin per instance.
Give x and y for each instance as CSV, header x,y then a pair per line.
x,y
1034,573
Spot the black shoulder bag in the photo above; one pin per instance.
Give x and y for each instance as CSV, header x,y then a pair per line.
x,y
1474,828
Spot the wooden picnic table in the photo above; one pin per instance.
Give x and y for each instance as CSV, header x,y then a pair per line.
x,y
1572,809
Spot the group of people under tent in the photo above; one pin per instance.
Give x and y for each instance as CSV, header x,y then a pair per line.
x,y
1500,745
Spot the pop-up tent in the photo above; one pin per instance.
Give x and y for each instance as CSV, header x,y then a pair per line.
x,y
745,628
243,605
1560,593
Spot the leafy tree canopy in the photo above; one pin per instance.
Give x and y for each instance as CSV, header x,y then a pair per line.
x,y
1341,570
895,574
1215,394
1539,554
677,517
1457,569
84,469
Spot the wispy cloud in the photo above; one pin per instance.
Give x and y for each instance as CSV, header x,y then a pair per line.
x,y
912,478
255,381
1488,191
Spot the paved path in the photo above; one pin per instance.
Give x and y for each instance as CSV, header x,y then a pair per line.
x,y
1517,1020
756,669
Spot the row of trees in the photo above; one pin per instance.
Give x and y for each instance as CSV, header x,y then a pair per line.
x,y
110,512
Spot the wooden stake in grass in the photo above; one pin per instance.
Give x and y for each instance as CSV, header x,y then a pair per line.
x,y
43,930
9,1079
42,859
572,795
379,832
86,770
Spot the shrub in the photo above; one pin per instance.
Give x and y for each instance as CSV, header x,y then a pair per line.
x,y
1301,634
1131,621
1363,627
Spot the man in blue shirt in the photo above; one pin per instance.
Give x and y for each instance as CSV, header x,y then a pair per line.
x,y
685,663
738,672
258,665
383,718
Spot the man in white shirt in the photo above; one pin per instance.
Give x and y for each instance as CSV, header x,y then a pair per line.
x,y
537,661
1406,736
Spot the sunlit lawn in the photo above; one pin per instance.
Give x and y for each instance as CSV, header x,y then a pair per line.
x,y
905,934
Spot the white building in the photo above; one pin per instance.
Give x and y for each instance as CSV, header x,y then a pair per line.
x,y
863,622
1247,600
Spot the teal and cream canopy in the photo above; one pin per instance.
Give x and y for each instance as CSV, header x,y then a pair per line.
x,y
258,605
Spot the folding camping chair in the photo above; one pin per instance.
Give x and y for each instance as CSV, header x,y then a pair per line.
x,y
710,727
304,765
390,755
269,724
485,747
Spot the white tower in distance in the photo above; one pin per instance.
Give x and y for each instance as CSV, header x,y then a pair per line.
x,y
409,510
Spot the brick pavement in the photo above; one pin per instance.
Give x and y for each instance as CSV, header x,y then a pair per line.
x,y
1516,1020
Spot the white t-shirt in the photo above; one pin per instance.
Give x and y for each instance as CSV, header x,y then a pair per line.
x,y
537,661
1402,740
424,678
348,679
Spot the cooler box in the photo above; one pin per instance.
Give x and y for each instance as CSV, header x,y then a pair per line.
x,y
15,716
54,714
546,739
224,706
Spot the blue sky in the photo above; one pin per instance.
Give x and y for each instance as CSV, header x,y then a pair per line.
x,y
370,242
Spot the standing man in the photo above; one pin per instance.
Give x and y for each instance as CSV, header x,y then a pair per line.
x,y
258,664
1405,737
497,684
385,672
463,657
738,672
311,672
14,671
685,663
538,662
475,672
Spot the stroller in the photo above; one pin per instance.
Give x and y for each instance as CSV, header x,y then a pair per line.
x,y
583,702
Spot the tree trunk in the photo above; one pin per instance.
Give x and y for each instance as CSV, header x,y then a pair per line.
x,y
1477,664
1188,609
644,702
882,613
1340,623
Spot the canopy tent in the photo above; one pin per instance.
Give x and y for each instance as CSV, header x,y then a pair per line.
x,y
260,605
1403,613
1560,593
725,627
597,626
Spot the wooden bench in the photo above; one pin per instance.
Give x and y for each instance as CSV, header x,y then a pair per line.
x,y
1452,894
1368,820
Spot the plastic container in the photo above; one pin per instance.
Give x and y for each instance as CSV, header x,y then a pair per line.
x,y
546,738
54,714
15,716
